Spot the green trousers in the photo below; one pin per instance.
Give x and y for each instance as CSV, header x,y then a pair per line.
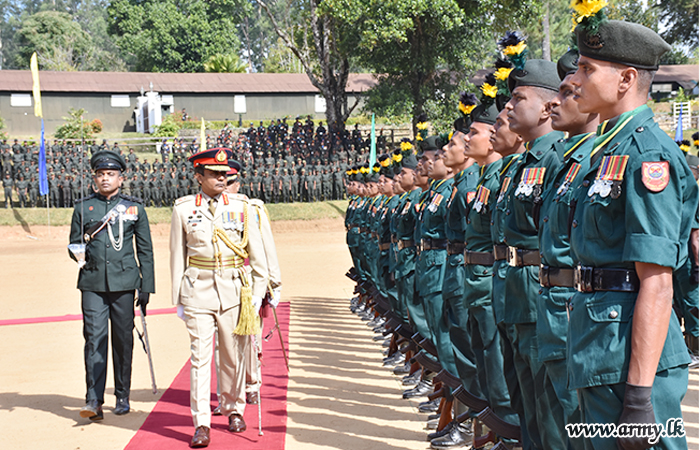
x,y
603,404
100,308
465,360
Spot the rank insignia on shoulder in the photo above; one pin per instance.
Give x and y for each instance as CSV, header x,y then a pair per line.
x,y
655,175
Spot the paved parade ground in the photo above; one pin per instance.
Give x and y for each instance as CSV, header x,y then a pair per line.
x,y
339,396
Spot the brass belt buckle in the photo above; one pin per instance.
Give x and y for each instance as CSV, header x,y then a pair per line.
x,y
512,256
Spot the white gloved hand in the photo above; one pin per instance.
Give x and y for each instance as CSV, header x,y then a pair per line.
x,y
276,297
181,311
257,303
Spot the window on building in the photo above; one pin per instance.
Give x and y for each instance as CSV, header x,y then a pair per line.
x,y
20,99
120,101
662,87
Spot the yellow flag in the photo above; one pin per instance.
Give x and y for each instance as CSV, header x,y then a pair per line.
x,y
202,138
36,90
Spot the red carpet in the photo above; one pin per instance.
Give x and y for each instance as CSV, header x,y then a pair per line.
x,y
70,317
169,426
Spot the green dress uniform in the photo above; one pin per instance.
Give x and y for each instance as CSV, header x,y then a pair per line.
x,y
453,284
533,175
416,309
403,225
385,265
636,203
108,281
556,279
431,269
478,295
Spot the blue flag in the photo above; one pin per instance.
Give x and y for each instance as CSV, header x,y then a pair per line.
x,y
679,126
43,181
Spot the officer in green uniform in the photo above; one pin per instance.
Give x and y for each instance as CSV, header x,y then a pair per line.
x,y
532,87
386,210
109,223
21,186
634,213
33,191
556,269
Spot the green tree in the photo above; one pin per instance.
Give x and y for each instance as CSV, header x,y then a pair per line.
x,y
225,64
173,35
169,126
61,44
75,126
680,19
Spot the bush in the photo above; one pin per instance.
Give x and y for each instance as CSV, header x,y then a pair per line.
x,y
96,126
169,126
75,127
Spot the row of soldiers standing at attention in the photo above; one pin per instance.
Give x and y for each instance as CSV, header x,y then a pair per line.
x,y
528,265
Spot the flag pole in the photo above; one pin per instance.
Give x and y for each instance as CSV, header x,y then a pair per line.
x,y
38,112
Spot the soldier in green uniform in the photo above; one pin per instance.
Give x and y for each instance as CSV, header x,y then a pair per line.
x,y
109,279
633,218
532,87
294,181
452,155
286,181
33,191
54,192
21,187
255,184
556,269
266,184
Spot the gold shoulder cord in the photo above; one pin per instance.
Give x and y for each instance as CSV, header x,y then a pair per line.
x,y
247,325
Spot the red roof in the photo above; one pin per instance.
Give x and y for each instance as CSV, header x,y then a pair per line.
x,y
169,83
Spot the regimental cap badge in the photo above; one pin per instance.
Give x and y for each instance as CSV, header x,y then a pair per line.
x,y
221,156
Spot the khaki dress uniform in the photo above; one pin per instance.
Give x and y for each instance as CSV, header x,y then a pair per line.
x,y
208,280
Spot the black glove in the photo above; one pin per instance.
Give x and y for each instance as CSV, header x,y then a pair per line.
x,y
637,408
142,301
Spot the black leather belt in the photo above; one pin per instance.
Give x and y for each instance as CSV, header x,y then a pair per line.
x,y
556,276
481,258
590,279
518,257
500,252
455,247
384,246
402,244
364,230
433,244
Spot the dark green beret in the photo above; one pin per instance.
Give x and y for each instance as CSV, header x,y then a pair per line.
x,y
567,64
627,43
431,143
107,159
372,177
409,161
462,124
536,73
485,114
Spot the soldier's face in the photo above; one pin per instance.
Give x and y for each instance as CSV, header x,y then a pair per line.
x,y
529,110
233,187
108,181
212,182
452,153
478,143
565,111
502,138
596,84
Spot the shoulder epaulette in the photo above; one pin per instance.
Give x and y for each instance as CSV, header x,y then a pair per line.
x,y
131,198
257,202
184,199
88,197
241,197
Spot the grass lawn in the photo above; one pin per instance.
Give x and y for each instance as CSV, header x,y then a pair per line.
x,y
279,211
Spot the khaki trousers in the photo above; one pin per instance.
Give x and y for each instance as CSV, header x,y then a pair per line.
x,y
201,325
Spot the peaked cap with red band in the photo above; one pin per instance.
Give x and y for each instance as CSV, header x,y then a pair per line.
x,y
213,159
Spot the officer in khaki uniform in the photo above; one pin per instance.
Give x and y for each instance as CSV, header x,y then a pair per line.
x,y
634,212
212,235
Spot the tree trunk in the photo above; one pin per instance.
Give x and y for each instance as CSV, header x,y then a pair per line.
x,y
546,45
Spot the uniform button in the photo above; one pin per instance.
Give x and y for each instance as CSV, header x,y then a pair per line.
x,y
507,212
545,219
639,130
485,271
469,221
107,245
571,306
492,222
614,314
107,262
586,183
574,224
541,291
